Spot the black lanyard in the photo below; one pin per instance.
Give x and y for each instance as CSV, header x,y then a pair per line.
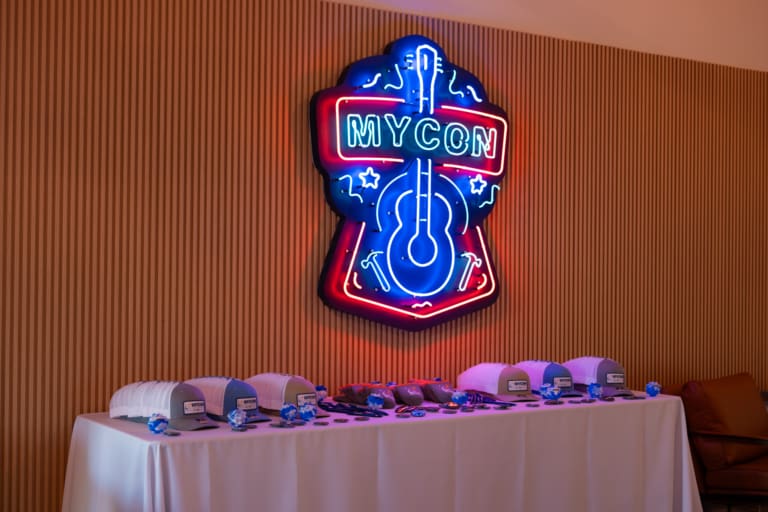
x,y
351,409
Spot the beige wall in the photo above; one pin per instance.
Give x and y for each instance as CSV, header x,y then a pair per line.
x,y
730,32
161,218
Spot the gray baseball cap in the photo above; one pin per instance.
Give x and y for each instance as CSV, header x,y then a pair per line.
x,y
602,370
504,381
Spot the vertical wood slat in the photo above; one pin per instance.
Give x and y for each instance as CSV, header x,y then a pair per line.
x,y
160,216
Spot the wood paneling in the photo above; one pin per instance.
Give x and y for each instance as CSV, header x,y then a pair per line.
x,y
160,215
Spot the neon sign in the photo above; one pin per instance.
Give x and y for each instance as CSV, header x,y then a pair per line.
x,y
413,154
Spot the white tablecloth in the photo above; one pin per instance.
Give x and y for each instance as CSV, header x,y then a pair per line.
x,y
620,456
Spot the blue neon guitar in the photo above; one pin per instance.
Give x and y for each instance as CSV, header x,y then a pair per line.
x,y
421,253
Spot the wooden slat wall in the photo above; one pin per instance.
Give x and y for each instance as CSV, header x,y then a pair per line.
x,y
160,215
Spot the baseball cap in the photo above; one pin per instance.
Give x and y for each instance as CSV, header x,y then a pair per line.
x,y
606,372
183,404
547,372
358,394
224,394
408,394
435,390
276,389
504,381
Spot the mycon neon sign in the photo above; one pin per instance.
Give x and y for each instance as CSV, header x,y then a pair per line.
x,y
413,154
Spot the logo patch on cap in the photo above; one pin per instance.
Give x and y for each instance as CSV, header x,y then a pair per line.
x,y
194,407
517,385
614,378
247,404
306,398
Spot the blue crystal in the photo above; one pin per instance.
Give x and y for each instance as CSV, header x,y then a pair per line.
x,y
237,418
459,397
307,412
288,412
653,389
157,424
595,390
375,401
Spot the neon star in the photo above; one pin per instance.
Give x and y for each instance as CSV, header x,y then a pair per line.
x,y
478,184
370,178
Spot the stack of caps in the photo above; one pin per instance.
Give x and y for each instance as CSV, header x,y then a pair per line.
x,y
183,404
547,372
224,394
359,393
601,370
504,381
277,389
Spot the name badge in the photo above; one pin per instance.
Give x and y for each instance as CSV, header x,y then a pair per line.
x,y
517,385
247,404
306,398
194,407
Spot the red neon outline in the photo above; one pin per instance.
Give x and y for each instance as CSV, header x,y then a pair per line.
x,y
410,313
503,148
338,130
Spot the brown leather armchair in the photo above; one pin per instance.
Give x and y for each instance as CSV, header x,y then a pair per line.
x,y
728,432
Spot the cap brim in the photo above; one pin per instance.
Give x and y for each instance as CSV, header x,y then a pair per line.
x,y
193,423
518,398
257,417
611,391
569,393
320,413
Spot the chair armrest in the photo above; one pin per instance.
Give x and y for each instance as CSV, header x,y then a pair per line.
x,y
736,438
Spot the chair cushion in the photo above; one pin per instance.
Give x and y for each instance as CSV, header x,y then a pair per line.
x,y
746,478
728,405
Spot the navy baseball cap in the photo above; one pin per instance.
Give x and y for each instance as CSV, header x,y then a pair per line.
x,y
224,394
547,372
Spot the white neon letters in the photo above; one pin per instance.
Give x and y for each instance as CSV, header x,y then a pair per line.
x,y
363,133
397,128
425,141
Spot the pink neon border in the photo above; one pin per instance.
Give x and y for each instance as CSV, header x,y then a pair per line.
x,y
411,313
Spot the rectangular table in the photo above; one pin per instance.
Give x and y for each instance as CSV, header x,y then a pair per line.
x,y
624,455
